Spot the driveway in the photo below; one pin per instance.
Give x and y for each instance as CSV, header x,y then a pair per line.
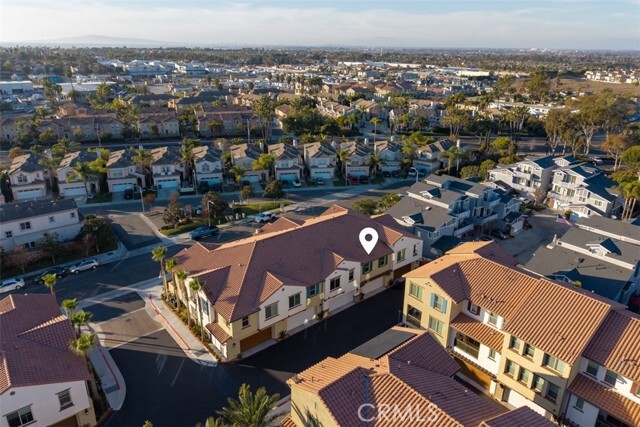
x,y
132,231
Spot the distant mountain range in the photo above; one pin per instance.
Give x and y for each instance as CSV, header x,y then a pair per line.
x,y
93,40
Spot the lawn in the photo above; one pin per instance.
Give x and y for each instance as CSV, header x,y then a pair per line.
x,y
100,198
258,207
184,228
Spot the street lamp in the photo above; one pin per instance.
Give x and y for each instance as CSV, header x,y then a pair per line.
x,y
417,173
141,199
209,212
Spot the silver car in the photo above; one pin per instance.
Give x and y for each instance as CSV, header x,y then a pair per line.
x,y
11,284
87,264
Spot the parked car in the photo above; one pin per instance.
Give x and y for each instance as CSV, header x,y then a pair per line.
x,y
204,187
246,182
499,234
87,264
596,160
486,239
265,217
412,173
11,284
60,272
296,182
319,181
386,174
353,180
395,174
422,173
286,183
128,194
364,179
217,187
203,231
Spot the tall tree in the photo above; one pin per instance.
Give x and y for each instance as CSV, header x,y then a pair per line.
x,y
249,410
158,254
195,286
188,158
70,306
181,277
375,121
50,281
81,347
144,158
63,147
374,161
266,162
81,318
170,267
49,244
265,110
50,164
615,145
455,119
81,172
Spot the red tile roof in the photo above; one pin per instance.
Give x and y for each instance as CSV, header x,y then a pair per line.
x,y
219,333
616,345
238,276
521,417
478,331
607,399
34,343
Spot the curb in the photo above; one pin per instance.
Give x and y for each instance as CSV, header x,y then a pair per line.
x,y
155,308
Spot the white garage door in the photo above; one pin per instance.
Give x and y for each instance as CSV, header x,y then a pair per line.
x,y
75,191
339,301
299,318
287,176
121,187
373,286
28,194
251,178
516,399
358,172
320,174
166,183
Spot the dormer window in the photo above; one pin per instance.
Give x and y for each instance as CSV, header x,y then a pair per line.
x,y
206,167
22,178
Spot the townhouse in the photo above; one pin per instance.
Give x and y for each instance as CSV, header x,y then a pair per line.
x,y
595,258
122,173
320,159
530,176
487,313
290,275
370,109
76,186
161,123
335,109
402,377
233,120
289,163
24,223
447,206
359,153
584,190
27,177
245,156
9,128
428,156
165,168
44,383
391,154
208,166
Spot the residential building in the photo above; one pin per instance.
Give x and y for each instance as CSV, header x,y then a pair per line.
x,y
391,155
158,125
402,377
584,190
619,230
320,159
593,259
208,164
69,184
122,173
165,167
531,176
289,163
448,206
27,177
520,336
359,153
44,383
428,157
23,223
290,274
231,120
244,156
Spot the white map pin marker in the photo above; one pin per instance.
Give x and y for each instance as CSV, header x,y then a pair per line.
x,y
368,245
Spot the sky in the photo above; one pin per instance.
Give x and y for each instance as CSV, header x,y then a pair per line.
x,y
572,24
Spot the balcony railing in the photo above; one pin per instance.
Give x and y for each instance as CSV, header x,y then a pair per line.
x,y
413,321
486,219
467,348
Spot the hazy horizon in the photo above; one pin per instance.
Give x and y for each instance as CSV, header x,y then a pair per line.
x,y
496,24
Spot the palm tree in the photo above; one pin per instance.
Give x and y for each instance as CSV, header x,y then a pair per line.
x,y
70,306
158,255
50,281
80,171
631,193
238,172
195,287
64,147
409,150
81,318
250,410
50,164
212,422
188,159
376,121
266,162
374,161
343,158
452,154
144,159
82,346
181,276
169,266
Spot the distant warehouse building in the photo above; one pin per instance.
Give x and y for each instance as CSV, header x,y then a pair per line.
x,y
15,88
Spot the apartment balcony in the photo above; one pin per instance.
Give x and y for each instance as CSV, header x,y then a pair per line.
x,y
491,203
467,349
485,220
413,321
462,214
465,227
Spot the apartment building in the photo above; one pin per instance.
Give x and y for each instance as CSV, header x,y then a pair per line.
x,y
487,312
531,176
594,257
44,383
27,177
584,190
402,377
290,275
289,164
320,159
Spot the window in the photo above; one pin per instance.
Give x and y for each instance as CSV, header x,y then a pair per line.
x,y
22,178
592,368
367,267
334,284
553,363
401,255
20,417
473,308
492,354
552,392
636,390
538,383
383,261
245,322
579,405
415,291
52,219
514,343
523,375
8,234
510,368
438,303
30,245
352,273
435,325
294,300
25,226
65,399
415,249
610,378
271,310
312,291
205,167
493,319
205,306
72,214
528,350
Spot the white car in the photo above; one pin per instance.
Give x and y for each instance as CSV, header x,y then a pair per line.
x,y
87,264
265,217
596,160
296,182
11,284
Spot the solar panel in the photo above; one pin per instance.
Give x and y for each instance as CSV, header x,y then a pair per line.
x,y
383,343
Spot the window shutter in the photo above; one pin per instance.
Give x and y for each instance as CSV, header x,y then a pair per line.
x,y
433,299
444,305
